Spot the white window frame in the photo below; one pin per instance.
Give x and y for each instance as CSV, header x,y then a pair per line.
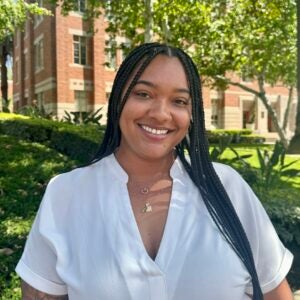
x,y
80,99
39,54
80,50
215,112
80,6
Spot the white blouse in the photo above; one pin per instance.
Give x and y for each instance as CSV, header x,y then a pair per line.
x,y
85,241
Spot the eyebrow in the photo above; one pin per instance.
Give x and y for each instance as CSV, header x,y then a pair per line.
x,y
151,84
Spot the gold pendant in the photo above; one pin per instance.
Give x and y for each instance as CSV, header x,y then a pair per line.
x,y
147,208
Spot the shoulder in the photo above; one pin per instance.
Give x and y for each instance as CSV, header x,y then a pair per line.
x,y
230,178
76,178
76,186
240,193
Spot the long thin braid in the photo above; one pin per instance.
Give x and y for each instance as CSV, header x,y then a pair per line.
x,y
200,168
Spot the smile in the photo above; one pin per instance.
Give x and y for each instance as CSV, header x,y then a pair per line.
x,y
154,130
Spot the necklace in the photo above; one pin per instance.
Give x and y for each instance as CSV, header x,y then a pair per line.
x,y
145,191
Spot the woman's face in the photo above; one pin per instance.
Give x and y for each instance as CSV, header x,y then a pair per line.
x,y
157,113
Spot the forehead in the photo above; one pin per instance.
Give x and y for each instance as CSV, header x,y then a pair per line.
x,y
165,69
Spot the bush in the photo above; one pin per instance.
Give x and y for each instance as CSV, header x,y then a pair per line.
x,y
237,136
79,142
25,169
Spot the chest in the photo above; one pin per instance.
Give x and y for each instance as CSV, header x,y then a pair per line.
x,y
150,212
109,259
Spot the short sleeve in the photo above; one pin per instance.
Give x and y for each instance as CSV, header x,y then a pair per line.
x,y
38,264
272,260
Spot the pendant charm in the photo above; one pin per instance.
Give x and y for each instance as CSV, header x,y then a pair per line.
x,y
144,190
147,208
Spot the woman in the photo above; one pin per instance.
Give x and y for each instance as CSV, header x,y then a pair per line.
x,y
144,221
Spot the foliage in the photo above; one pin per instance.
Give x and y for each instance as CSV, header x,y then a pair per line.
x,y
83,117
79,142
33,111
276,181
273,166
11,116
235,136
34,164
14,13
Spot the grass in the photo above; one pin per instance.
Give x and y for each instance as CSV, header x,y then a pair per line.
x,y
254,162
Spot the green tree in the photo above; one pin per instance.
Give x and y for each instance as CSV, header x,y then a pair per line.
x,y
294,146
13,14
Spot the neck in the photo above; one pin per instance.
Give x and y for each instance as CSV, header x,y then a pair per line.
x,y
143,169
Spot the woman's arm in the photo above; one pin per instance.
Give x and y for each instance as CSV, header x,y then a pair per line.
x,y
282,292
30,293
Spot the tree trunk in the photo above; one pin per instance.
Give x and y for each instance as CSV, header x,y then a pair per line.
x,y
262,96
288,108
294,146
148,21
4,82
271,112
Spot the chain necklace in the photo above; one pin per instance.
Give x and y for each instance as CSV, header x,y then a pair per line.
x,y
145,191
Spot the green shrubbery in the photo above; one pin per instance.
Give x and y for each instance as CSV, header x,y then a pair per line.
x,y
79,142
25,169
242,136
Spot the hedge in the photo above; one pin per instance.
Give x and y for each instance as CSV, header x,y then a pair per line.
x,y
79,142
242,136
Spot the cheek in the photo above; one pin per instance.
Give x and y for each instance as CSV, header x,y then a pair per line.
x,y
184,121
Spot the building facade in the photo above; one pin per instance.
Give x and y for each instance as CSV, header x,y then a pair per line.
x,y
60,65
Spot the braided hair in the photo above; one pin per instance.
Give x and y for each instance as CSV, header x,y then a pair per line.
x,y
200,167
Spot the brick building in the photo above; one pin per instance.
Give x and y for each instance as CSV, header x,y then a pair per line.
x,y
61,66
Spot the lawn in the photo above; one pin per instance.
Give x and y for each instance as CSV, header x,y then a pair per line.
x,y
254,162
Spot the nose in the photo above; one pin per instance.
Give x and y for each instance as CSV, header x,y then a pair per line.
x,y
160,110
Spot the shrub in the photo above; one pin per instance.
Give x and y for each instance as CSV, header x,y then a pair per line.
x,y
79,142
25,169
236,136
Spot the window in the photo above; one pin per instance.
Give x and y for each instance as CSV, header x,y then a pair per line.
x,y
111,54
80,101
80,6
16,78
38,18
39,55
107,96
26,62
215,112
246,78
125,49
80,49
17,38
39,98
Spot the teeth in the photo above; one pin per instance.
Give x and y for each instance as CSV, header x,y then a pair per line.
x,y
155,131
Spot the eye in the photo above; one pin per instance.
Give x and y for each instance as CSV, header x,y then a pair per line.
x,y
142,94
181,102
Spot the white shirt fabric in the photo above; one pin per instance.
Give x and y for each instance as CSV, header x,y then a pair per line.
x,y
85,241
